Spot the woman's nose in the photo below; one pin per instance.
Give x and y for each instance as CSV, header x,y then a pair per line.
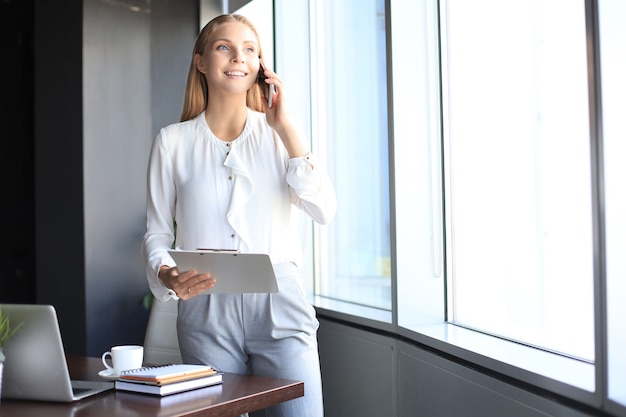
x,y
238,56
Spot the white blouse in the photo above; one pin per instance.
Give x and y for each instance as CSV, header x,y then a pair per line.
x,y
228,195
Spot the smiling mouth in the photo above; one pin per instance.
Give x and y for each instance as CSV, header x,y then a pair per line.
x,y
235,74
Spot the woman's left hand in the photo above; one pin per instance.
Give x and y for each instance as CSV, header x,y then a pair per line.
x,y
277,116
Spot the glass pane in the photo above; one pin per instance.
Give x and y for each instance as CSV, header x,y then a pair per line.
x,y
519,237
612,14
350,122
417,163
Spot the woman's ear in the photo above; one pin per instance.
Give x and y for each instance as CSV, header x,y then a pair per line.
x,y
199,63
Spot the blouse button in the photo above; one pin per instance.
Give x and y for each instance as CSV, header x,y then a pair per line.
x,y
228,144
233,235
230,178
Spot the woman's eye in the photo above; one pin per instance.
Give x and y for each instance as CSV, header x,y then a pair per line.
x,y
222,48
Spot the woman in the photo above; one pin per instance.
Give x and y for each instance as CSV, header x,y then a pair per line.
x,y
227,177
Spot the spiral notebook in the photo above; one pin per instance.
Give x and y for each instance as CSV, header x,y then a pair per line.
x,y
168,379
167,374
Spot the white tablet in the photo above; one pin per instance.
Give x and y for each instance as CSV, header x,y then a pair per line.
x,y
233,271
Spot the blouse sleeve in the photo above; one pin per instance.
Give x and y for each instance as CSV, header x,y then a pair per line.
x,y
311,189
160,212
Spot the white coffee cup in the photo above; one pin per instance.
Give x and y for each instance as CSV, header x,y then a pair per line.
x,y
124,357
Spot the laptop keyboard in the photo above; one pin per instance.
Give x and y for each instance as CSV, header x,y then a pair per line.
x,y
78,391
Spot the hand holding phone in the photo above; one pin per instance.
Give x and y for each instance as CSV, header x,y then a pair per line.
x,y
265,87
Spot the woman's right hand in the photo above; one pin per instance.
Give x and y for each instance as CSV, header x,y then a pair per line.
x,y
185,284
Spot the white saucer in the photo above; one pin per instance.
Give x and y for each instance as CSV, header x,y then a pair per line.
x,y
108,374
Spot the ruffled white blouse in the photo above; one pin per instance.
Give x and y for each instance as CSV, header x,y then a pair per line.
x,y
228,195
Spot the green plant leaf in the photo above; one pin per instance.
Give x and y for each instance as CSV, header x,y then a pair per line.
x,y
6,332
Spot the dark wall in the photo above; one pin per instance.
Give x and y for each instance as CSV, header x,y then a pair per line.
x,y
17,228
78,94
42,178
58,124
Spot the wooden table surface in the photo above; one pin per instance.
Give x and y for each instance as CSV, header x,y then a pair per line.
x,y
238,394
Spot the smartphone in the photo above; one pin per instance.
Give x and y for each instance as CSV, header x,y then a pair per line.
x,y
265,87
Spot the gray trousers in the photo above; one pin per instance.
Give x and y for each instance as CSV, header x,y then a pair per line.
x,y
261,334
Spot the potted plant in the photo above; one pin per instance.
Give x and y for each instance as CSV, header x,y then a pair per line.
x,y
6,331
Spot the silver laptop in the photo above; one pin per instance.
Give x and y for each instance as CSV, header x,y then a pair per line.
x,y
233,271
35,367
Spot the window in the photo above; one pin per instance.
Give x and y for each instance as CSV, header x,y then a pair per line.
x,y
423,307
417,157
518,174
612,14
350,128
488,217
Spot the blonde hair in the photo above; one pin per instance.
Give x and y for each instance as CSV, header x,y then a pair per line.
x,y
197,90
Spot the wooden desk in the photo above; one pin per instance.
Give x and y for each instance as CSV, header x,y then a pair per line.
x,y
238,394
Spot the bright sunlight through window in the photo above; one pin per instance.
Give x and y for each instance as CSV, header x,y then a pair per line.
x,y
518,175
350,118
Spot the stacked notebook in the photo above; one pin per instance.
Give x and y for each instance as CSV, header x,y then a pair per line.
x,y
168,379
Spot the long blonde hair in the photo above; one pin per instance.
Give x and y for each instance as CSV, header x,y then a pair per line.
x,y
197,90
